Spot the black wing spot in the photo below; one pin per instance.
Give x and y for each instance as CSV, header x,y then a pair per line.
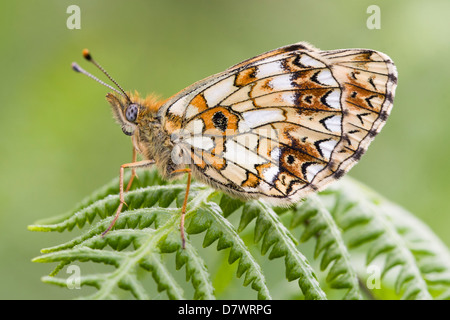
x,y
295,47
372,133
389,97
393,78
308,99
338,174
372,83
290,159
383,115
323,99
369,103
346,138
358,154
314,78
362,115
220,121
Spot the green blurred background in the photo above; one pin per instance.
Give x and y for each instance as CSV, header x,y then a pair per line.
x,y
58,141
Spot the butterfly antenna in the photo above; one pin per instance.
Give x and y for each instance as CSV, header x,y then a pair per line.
x,y
77,68
88,57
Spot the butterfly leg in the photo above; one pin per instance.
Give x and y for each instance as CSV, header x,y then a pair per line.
x,y
133,171
183,208
132,165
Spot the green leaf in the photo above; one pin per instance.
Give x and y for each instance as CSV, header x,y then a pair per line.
x,y
319,222
342,221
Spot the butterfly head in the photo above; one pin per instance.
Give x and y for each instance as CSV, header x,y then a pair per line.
x,y
129,109
125,111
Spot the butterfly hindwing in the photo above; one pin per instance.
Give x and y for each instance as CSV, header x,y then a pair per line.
x,y
284,123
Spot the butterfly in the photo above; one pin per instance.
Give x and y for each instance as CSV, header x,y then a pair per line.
x,y
277,127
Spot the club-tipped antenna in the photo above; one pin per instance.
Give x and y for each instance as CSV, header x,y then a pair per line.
x,y
77,68
88,57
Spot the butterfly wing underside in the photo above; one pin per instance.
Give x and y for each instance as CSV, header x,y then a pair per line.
x,y
285,123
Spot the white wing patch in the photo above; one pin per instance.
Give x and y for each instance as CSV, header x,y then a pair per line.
x,y
219,91
333,99
307,61
312,171
281,82
256,118
271,173
326,78
327,148
178,107
269,69
333,123
288,98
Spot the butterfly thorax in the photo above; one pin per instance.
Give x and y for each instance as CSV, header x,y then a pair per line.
x,y
154,144
139,119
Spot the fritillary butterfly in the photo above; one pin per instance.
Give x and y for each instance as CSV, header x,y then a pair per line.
x,y
278,126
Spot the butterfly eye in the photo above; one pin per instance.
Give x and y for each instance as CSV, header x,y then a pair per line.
x,y
131,113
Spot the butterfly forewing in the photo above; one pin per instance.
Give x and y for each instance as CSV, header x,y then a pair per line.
x,y
284,123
